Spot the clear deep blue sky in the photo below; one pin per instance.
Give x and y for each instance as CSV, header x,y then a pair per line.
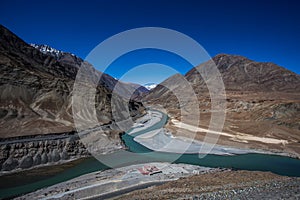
x,y
260,30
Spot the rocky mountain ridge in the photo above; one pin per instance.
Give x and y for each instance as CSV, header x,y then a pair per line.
x,y
262,99
150,86
36,89
242,74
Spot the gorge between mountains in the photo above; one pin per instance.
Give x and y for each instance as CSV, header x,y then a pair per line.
x,y
261,130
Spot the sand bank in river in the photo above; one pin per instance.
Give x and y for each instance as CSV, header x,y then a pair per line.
x,y
160,140
237,137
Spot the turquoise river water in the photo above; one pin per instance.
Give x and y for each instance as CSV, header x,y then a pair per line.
x,y
27,181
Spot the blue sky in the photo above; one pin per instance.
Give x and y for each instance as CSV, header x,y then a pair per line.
x,y
260,30
147,66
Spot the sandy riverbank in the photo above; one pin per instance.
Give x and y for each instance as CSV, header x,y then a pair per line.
x,y
163,141
148,120
242,137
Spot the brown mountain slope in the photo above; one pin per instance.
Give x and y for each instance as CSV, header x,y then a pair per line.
x,y
262,100
36,90
242,74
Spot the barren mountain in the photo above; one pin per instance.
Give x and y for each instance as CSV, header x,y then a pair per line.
x,y
36,89
262,103
242,74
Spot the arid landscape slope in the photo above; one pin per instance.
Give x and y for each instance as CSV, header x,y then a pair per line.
x,y
36,87
262,104
223,185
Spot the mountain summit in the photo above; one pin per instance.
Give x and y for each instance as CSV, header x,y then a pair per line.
x,y
242,74
150,86
48,50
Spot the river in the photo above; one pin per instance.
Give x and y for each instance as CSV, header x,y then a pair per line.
x,y
30,180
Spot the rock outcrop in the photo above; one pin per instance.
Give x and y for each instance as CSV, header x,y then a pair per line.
x,y
26,154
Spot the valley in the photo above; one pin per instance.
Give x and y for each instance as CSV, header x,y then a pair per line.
x,y
224,158
166,146
261,102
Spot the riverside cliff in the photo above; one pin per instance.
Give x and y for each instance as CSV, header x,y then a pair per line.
x,y
36,89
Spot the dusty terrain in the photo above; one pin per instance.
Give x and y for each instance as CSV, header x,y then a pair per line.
x,y
36,90
224,185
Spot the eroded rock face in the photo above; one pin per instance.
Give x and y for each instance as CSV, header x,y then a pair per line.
x,y
37,160
55,156
49,157
29,154
10,164
44,158
26,162
64,155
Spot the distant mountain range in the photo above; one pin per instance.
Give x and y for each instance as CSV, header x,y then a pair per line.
x,y
123,89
